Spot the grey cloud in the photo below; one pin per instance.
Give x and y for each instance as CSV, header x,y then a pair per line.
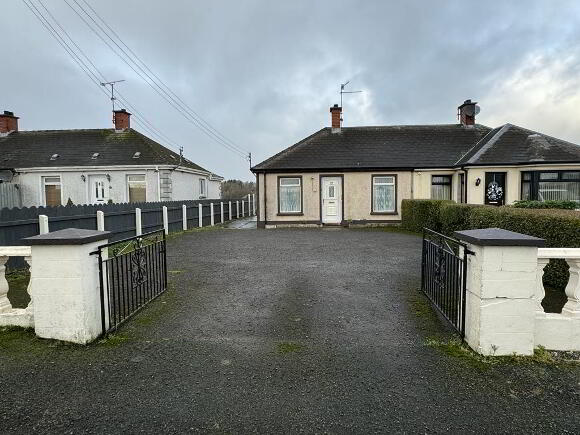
x,y
265,73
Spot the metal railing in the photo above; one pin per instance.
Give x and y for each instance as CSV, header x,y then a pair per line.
x,y
444,276
132,272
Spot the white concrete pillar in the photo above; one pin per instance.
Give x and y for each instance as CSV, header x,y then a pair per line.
x,y
222,211
501,286
100,220
165,220
5,304
200,215
211,219
237,209
23,317
243,206
65,284
253,204
184,214
572,307
138,225
230,217
43,224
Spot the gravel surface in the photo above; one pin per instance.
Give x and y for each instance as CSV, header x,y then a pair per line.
x,y
279,331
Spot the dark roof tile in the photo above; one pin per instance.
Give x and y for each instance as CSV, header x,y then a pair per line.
x,y
30,149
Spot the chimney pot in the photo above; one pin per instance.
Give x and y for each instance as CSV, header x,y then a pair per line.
x,y
121,119
8,122
335,117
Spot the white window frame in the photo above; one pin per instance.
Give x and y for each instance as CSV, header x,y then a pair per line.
x,y
299,184
144,175
375,183
43,190
202,187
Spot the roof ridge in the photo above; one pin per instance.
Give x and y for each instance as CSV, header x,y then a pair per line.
x,y
489,143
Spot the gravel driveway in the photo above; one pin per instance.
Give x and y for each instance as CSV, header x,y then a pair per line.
x,y
278,331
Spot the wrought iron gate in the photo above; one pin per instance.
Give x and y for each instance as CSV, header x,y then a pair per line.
x,y
133,272
444,276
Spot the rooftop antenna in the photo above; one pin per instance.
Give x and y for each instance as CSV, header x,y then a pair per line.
x,y
342,91
113,98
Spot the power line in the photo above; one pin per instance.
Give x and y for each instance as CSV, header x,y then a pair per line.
x,y
151,82
143,122
157,77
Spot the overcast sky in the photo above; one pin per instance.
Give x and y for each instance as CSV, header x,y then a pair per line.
x,y
264,73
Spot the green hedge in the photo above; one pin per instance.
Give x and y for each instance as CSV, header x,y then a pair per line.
x,y
560,228
419,213
565,205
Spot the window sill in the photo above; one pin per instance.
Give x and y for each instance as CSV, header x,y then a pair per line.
x,y
384,213
291,214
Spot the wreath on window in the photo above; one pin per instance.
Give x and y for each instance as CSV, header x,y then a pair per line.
x,y
494,191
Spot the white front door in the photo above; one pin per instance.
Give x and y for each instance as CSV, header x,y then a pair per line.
x,y
99,189
331,200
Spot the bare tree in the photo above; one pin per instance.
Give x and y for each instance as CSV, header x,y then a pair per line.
x,y
235,189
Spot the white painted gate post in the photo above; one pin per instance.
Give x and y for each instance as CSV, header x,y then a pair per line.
x,y
43,224
200,215
243,207
100,220
65,284
138,226
500,308
254,204
237,209
211,219
184,209
230,217
165,220
222,211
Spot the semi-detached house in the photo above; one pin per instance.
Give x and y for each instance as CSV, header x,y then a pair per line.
x,y
360,175
96,166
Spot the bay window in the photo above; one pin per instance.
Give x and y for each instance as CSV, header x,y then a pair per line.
x,y
550,185
290,195
441,187
384,196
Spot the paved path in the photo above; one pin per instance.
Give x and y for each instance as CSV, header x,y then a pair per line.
x,y
243,224
281,331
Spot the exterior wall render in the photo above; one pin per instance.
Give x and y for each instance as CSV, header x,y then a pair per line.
x,y
184,185
356,188
475,194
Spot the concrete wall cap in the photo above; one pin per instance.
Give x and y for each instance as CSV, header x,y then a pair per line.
x,y
498,237
68,236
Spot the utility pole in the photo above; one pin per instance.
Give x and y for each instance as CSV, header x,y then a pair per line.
x,y
250,159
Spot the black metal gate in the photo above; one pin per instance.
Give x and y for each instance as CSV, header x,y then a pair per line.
x,y
444,276
133,272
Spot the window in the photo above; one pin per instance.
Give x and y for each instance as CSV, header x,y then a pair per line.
x,y
51,187
384,194
441,187
202,187
551,185
290,194
137,187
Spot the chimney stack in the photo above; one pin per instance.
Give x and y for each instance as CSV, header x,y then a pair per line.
x,y
8,123
466,113
122,119
335,118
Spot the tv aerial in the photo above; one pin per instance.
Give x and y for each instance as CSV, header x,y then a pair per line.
x,y
342,91
112,85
